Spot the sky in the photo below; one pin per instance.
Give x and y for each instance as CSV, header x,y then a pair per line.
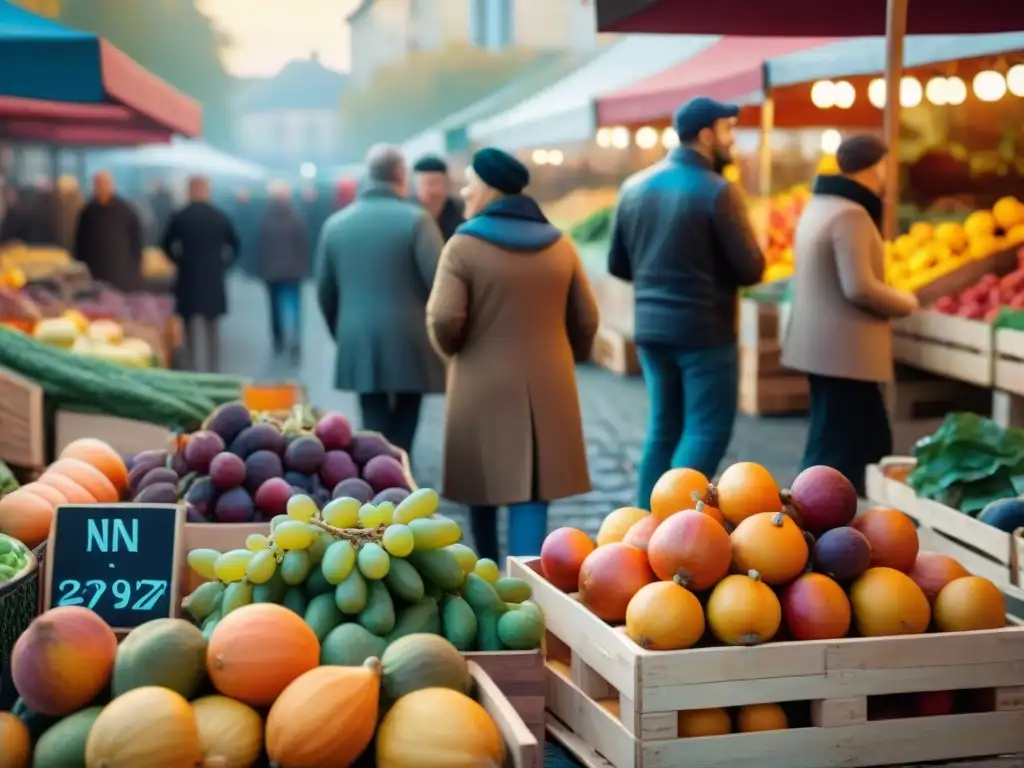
x,y
267,34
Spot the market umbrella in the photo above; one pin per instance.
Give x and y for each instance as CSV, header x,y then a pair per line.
x,y
894,18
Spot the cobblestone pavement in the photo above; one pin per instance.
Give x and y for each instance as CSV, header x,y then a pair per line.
x,y
614,410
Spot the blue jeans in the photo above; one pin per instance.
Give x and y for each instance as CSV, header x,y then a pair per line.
x,y
527,527
285,314
692,396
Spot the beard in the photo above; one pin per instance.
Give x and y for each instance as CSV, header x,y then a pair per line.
x,y
721,157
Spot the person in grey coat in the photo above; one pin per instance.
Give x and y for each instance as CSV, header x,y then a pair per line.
x,y
375,262
282,262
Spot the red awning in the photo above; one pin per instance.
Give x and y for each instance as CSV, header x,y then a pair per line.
x,y
81,135
62,122
730,69
806,18
12,107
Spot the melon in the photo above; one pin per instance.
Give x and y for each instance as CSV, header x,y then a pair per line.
x,y
420,661
151,727
170,653
63,744
230,732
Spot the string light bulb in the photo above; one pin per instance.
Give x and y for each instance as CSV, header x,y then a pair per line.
x,y
911,92
620,137
669,138
956,91
823,94
646,137
1015,79
604,138
845,94
989,85
876,93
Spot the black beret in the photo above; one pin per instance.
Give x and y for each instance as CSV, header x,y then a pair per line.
x,y
700,113
430,164
858,153
500,170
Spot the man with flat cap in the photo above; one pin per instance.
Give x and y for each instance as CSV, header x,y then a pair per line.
x,y
433,190
840,330
682,236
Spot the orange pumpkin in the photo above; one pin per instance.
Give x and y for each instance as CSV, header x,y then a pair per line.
x,y
609,578
746,489
26,516
892,535
707,509
101,456
617,524
692,549
970,603
15,743
87,476
887,602
256,651
639,535
674,491
743,610
694,723
771,544
664,616
933,570
816,608
562,555
326,716
761,717
73,492
47,493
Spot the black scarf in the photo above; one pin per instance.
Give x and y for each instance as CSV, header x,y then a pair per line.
x,y
847,188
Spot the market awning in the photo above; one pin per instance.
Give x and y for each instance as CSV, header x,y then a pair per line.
x,y
40,59
564,111
813,18
67,123
183,154
731,70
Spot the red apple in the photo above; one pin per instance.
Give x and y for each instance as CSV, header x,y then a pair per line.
x,y
932,703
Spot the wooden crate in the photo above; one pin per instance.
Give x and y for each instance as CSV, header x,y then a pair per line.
x,y
982,549
126,436
22,422
521,677
766,387
1008,378
623,701
616,352
524,751
947,345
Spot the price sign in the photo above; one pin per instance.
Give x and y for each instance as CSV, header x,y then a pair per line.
x,y
120,560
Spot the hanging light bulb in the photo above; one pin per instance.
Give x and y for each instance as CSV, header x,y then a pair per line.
x,y
540,157
830,141
1015,79
669,138
646,137
555,157
620,137
989,85
845,94
911,92
937,91
956,91
604,137
876,93
823,94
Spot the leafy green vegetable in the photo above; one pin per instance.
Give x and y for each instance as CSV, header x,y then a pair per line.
x,y
597,226
969,462
1012,319
8,484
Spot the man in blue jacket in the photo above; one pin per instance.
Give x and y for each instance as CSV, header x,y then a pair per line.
x,y
682,236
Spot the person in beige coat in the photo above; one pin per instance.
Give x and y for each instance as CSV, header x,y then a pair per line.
x,y
512,311
839,330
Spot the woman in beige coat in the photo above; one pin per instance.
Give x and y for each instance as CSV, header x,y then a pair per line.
x,y
840,328
512,311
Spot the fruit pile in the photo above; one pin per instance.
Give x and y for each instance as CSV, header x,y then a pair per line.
x,y
255,691
15,559
985,299
741,563
784,212
364,575
238,470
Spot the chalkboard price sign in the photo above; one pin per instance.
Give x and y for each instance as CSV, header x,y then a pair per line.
x,y
120,560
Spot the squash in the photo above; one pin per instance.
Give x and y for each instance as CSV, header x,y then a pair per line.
x,y
63,660
87,476
326,716
47,493
419,661
664,616
761,717
816,608
892,535
256,651
15,743
887,602
694,723
745,489
690,548
617,524
609,578
101,456
230,732
63,744
933,570
970,603
674,491
438,728
72,491
26,517
743,610
772,544
639,535
151,727
167,652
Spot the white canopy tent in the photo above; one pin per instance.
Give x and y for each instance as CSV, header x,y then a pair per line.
x,y
183,156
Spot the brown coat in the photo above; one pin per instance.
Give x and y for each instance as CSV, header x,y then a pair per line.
x,y
840,319
512,325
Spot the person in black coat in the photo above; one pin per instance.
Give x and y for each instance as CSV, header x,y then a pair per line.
x,y
203,244
108,237
433,190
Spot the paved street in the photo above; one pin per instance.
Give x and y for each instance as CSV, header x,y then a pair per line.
x,y
614,410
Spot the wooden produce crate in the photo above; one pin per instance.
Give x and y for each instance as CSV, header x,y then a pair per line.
x,y
523,749
22,422
521,677
980,548
624,701
153,335
1008,378
766,388
126,436
613,350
